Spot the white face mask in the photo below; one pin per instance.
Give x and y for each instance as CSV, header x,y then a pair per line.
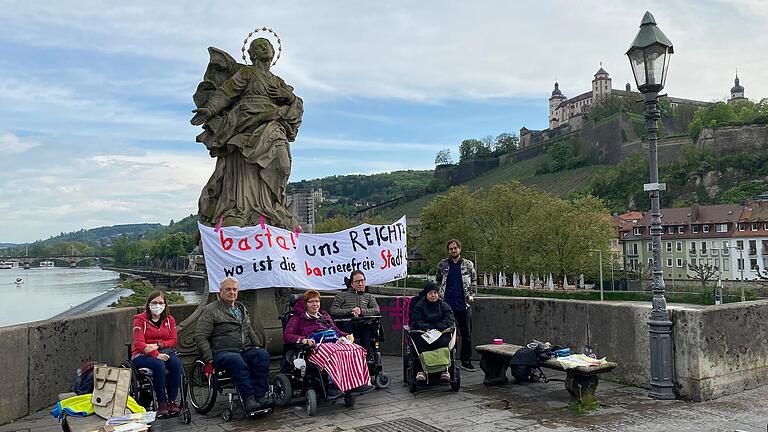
x,y
156,309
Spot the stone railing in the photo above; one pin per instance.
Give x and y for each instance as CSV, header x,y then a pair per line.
x,y
718,349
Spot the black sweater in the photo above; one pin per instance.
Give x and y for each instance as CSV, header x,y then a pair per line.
x,y
427,315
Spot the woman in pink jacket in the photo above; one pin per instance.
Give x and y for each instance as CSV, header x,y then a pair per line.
x,y
154,348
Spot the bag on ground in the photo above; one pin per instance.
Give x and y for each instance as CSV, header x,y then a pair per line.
x,y
110,390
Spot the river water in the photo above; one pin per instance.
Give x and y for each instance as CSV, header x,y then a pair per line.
x,y
46,293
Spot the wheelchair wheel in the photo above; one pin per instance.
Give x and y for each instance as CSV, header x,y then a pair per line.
x,y
412,382
202,389
456,381
381,381
311,402
349,400
282,390
186,415
226,415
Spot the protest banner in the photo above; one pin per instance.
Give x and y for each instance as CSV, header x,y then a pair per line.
x,y
274,257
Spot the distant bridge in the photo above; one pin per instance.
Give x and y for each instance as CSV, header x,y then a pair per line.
x,y
73,260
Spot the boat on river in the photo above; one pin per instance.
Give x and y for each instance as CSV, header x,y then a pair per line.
x,y
47,264
9,265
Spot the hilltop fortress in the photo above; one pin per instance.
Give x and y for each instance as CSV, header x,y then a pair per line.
x,y
568,115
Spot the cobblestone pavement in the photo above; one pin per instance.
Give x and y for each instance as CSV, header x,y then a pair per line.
x,y
477,408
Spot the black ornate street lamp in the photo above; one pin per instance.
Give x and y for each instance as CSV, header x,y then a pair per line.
x,y
649,57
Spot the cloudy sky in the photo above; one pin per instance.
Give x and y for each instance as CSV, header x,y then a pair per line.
x,y
95,97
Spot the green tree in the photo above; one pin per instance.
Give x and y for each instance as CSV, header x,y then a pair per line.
x,y
505,142
443,157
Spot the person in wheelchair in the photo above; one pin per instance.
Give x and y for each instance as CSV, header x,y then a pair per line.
x,y
357,303
154,348
334,351
226,339
431,313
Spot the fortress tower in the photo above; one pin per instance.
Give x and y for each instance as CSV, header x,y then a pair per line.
x,y
554,101
601,85
737,91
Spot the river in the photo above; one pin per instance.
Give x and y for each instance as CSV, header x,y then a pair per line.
x,y
47,293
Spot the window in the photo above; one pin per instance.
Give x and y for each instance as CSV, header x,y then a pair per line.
x,y
680,262
742,227
695,228
726,264
740,244
703,247
633,248
636,231
753,247
650,262
753,226
681,229
679,246
740,263
765,247
714,244
669,246
650,247
753,264
721,228
705,228
693,247
669,262
725,244
693,261
670,230
765,226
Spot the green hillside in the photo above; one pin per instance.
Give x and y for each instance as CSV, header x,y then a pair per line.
x,y
561,183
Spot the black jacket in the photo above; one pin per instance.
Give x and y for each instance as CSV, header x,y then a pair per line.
x,y
428,315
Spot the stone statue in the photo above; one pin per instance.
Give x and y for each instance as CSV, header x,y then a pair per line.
x,y
249,117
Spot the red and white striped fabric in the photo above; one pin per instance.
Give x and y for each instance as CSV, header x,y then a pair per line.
x,y
345,363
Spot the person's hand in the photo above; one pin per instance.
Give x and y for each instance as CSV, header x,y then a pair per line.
x,y
280,95
202,115
208,369
149,348
356,311
163,357
310,342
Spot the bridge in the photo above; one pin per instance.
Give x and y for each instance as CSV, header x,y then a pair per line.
x,y
72,260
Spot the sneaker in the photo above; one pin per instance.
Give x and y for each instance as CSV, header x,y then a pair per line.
x,y
332,392
266,402
173,409
420,376
445,376
162,410
467,366
363,389
251,405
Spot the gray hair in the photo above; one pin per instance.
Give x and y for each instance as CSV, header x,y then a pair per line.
x,y
228,279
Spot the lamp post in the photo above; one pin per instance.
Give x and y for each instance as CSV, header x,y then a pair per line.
x,y
740,266
649,57
600,257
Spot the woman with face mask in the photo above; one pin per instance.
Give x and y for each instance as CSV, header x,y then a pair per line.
x,y
154,348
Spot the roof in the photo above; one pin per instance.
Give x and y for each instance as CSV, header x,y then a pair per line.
x,y
693,215
585,95
736,87
601,71
755,212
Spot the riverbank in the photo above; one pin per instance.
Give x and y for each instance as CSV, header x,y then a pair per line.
x,y
97,303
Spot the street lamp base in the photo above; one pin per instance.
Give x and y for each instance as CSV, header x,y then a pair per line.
x,y
662,392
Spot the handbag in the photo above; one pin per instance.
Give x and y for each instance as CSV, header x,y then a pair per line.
x,y
111,386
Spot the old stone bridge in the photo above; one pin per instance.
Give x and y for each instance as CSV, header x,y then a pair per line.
x,y
28,261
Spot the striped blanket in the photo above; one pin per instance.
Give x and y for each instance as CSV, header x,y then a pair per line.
x,y
345,363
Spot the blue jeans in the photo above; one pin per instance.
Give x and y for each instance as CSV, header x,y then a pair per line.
x,y
249,370
159,378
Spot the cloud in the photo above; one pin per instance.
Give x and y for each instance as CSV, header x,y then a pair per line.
x,y
10,143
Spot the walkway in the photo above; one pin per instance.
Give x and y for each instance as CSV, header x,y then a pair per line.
x,y
533,407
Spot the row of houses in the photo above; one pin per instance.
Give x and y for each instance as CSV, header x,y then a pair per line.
x,y
733,238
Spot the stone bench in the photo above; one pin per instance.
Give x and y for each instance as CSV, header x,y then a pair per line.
x,y
580,382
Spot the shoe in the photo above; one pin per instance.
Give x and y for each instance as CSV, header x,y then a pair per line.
x,y
332,392
363,389
267,402
173,409
445,376
162,410
420,376
467,366
251,405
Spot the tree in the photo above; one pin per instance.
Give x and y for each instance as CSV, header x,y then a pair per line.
x,y
641,272
505,142
471,149
703,273
444,157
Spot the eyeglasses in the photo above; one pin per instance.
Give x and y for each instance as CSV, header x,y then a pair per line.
x,y
157,303
359,281
313,301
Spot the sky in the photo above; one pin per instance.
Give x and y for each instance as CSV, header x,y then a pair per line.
x,y
95,97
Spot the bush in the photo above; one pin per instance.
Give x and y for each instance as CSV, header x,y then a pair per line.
x,y
140,293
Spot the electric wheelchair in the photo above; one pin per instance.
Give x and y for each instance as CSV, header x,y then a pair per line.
x,y
301,379
375,368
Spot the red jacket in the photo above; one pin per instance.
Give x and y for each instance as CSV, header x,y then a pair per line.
x,y
301,326
144,333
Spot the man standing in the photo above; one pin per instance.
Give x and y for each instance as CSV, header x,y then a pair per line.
x,y
457,282
225,337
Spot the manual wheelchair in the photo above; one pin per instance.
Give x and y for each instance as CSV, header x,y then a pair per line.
x,y
143,390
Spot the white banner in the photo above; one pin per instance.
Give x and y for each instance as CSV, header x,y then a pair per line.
x,y
274,257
